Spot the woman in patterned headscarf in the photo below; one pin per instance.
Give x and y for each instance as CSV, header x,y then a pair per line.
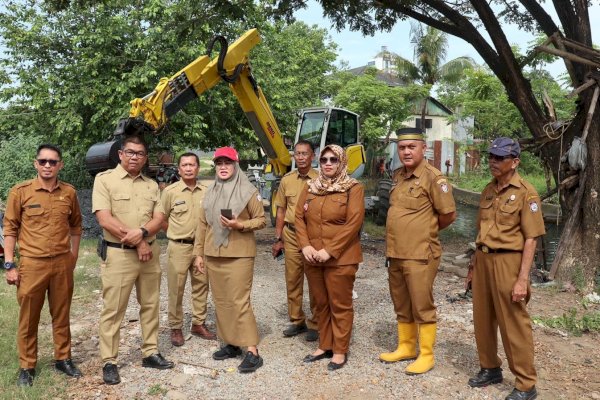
x,y
329,216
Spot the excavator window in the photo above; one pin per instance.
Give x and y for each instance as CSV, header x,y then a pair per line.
x,y
312,126
342,128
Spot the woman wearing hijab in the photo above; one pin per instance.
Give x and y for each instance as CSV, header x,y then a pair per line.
x,y
329,216
225,247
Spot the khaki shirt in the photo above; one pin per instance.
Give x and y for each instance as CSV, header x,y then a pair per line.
x,y
415,204
42,221
508,217
132,201
332,222
181,207
289,189
242,243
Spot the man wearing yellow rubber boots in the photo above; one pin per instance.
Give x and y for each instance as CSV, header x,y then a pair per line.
x,y
421,204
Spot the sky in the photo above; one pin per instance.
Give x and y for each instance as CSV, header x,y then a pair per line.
x,y
357,50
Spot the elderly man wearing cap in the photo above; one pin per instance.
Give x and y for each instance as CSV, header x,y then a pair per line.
x,y
509,223
421,204
225,247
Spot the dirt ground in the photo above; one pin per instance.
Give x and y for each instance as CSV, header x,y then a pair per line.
x,y
567,365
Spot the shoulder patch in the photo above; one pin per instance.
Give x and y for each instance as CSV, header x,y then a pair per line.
x,y
533,206
258,197
441,180
443,185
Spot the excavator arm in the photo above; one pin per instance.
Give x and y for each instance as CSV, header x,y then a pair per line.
x,y
152,112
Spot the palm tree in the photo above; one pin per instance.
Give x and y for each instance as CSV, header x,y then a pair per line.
x,y
429,54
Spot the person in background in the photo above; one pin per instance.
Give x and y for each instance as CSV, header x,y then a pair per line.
x,y
225,248
509,222
329,215
182,202
285,238
421,204
43,217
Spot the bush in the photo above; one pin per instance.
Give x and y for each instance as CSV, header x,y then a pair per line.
x,y
17,155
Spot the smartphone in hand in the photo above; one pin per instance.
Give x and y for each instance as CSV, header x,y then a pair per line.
x,y
227,213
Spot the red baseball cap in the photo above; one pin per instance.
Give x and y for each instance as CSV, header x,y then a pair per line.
x,y
227,152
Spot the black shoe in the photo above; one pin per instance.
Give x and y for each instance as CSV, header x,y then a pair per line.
x,y
227,351
26,376
68,368
157,361
310,358
334,366
251,363
517,394
110,374
312,335
486,376
294,330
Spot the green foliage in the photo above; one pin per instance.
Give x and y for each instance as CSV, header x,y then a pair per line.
x,y
157,390
477,180
571,322
17,154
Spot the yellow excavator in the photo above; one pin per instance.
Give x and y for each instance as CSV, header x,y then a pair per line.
x,y
150,114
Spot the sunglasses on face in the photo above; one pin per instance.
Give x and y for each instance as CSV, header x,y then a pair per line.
x,y
131,153
493,157
331,160
43,162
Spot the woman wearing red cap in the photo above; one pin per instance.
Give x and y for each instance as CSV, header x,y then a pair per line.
x,y
329,216
225,247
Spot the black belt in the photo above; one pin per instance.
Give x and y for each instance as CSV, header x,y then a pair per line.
x,y
290,227
184,241
486,249
122,246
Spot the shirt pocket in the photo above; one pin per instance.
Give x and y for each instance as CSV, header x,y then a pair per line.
x,y
486,209
508,215
339,202
35,217
415,199
121,203
149,201
179,209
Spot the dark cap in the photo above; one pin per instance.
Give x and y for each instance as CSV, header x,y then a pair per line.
x,y
504,146
409,134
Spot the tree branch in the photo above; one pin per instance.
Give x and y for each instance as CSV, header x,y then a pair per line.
x,y
541,16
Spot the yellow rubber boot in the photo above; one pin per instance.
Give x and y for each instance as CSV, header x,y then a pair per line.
x,y
425,361
407,344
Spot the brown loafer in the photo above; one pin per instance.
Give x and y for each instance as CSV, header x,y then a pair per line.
x,y
177,337
203,332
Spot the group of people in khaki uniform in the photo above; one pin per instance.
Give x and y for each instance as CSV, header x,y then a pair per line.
x,y
319,216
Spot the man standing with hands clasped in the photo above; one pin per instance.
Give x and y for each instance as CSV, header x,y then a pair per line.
x,y
182,202
127,206
509,223
285,238
43,216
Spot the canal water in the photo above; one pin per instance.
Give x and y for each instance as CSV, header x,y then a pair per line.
x,y
465,225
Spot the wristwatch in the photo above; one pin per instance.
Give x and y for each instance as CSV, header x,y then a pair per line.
x,y
9,265
144,232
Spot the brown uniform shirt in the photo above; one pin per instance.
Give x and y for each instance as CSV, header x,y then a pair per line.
x,y
130,200
242,243
42,221
289,189
508,217
181,207
332,222
412,221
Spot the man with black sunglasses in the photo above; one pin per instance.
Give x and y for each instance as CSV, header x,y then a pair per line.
x,y
43,216
509,223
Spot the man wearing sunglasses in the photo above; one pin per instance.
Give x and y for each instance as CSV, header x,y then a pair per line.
x,y
43,216
509,223
128,207
421,204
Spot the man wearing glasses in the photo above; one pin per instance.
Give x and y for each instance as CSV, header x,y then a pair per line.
x,y
43,216
285,239
509,223
128,208
421,204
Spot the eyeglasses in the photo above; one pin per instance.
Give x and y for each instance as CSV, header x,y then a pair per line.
x,y
331,160
131,153
43,162
224,163
495,158
302,154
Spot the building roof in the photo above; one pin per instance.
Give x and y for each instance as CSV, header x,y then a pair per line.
x,y
387,77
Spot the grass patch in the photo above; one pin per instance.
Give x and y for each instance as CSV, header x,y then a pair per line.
x,y
477,180
572,322
372,229
47,384
157,390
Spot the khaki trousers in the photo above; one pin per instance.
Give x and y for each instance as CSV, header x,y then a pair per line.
x,y
494,276
411,288
179,265
294,282
231,285
332,288
52,275
121,272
